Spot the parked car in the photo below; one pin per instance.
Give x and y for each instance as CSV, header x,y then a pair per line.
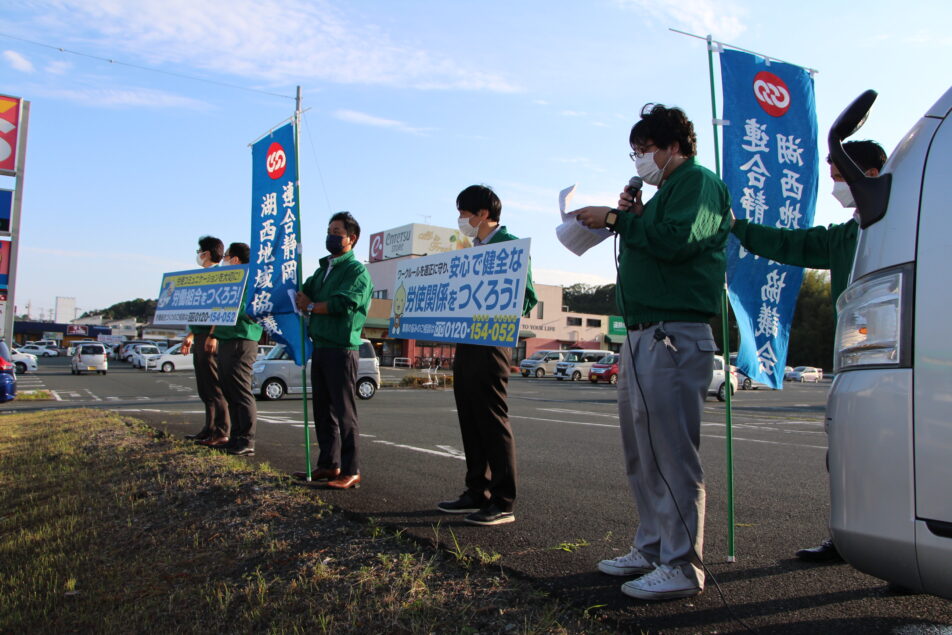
x,y
141,354
171,360
718,384
577,363
24,362
278,375
89,357
39,351
605,370
888,414
804,373
8,375
128,348
745,382
540,363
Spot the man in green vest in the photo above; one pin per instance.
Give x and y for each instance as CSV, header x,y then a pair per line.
x,y
832,247
336,299
237,349
480,386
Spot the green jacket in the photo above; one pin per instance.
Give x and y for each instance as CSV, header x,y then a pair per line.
x,y
244,329
832,247
673,256
530,299
347,291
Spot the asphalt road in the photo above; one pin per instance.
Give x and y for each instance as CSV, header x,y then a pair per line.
x,y
574,506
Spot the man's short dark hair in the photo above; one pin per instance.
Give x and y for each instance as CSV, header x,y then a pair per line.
x,y
214,246
663,126
241,251
477,197
866,154
351,226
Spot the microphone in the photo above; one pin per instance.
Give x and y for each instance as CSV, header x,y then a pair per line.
x,y
634,184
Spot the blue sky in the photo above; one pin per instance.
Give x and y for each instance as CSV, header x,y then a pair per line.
x,y
409,102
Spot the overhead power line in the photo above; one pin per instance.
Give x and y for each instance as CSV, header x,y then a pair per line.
x,y
145,68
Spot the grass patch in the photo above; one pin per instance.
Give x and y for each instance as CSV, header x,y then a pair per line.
x,y
108,526
34,395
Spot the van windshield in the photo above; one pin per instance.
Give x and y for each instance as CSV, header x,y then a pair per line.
x,y
538,356
575,357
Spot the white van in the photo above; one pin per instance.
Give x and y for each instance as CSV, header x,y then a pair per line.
x,y
889,415
89,357
578,362
541,363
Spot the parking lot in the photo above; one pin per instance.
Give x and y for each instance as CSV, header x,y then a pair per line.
x,y
573,506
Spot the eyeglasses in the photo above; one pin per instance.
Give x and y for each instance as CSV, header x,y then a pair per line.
x,y
637,154
200,251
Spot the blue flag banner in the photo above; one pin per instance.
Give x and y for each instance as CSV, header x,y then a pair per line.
x,y
209,296
471,296
771,164
275,241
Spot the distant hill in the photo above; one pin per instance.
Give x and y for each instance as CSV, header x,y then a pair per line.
x,y
142,310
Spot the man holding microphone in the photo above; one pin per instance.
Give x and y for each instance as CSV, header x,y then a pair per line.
x,y
670,275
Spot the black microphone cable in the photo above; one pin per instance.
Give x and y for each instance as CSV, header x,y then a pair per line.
x,y
654,456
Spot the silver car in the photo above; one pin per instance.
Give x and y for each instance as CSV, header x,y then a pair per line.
x,y
277,375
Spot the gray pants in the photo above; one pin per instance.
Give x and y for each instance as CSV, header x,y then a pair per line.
x,y
660,400
235,358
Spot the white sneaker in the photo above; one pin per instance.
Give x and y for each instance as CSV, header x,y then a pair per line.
x,y
664,583
633,563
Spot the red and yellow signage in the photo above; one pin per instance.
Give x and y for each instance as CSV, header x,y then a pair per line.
x,y
9,120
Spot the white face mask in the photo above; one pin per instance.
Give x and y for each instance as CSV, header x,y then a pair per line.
x,y
842,193
199,260
466,229
647,169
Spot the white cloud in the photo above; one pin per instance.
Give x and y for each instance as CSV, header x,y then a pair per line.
x,y
125,98
721,19
58,67
17,62
572,113
352,116
278,42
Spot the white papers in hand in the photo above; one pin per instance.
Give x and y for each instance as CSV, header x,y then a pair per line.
x,y
576,237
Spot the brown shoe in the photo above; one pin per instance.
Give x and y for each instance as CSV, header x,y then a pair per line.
x,y
214,442
347,481
320,474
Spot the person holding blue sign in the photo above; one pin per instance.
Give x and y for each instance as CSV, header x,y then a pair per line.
x,y
832,247
670,275
237,349
480,386
336,299
217,424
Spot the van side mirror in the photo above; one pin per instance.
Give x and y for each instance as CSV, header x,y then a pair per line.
x,y
871,193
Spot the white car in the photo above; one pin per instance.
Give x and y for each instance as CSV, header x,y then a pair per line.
x,y
89,357
39,351
142,353
171,360
717,386
804,373
277,375
25,362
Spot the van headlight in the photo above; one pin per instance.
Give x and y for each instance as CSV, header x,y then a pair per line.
x,y
874,321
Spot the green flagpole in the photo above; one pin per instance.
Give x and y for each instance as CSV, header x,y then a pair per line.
x,y
725,333
300,265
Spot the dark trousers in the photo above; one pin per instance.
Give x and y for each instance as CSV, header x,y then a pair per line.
x,y
334,382
480,385
217,423
235,358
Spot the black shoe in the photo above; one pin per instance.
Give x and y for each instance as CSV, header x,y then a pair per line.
x,y
465,504
824,552
246,450
491,515
201,436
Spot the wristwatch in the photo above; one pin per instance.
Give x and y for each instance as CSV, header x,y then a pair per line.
x,y
610,219
310,308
